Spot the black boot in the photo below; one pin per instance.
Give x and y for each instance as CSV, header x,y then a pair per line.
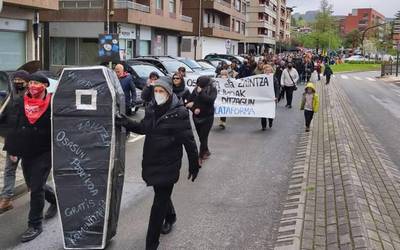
x,y
31,233
51,212
167,226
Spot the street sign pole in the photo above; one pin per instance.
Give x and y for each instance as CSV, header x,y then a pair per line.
x,y
397,60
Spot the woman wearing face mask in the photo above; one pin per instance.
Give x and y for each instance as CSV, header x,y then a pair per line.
x,y
289,79
30,139
179,87
201,102
167,127
269,71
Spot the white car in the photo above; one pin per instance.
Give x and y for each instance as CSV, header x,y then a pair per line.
x,y
355,58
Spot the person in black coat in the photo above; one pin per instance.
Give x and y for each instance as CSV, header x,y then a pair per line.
x,y
167,127
268,70
179,87
148,90
30,139
201,102
128,86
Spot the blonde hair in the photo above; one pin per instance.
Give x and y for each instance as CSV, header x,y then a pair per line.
x,y
268,67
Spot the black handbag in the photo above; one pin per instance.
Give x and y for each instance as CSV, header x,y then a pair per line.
x,y
294,84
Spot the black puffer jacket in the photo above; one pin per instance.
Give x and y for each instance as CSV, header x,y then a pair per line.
x,y
182,92
162,152
25,139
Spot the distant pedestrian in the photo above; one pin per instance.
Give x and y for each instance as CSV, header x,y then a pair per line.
x,y
268,70
20,81
182,71
244,70
167,127
30,139
222,121
179,88
128,86
289,82
201,102
309,103
318,68
148,90
328,73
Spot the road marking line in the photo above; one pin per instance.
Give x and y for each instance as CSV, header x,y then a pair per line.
x,y
333,76
134,138
344,77
371,79
357,78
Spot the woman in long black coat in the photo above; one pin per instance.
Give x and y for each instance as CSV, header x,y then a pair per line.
x,y
167,128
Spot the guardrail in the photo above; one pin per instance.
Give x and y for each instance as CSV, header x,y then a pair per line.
x,y
186,18
218,26
389,69
81,4
131,5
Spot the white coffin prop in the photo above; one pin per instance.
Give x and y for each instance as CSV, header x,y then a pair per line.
x,y
88,154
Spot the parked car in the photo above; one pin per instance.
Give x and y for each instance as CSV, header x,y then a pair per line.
x,y
167,64
239,60
140,72
206,64
196,67
217,61
355,58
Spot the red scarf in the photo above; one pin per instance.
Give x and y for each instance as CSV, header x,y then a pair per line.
x,y
35,108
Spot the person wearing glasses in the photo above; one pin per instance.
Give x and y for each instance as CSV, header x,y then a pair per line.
x,y
179,87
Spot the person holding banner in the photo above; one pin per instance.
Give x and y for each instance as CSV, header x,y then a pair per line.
x,y
289,80
222,121
167,128
268,70
201,102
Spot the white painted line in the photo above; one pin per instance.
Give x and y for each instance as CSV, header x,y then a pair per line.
x,y
333,76
344,77
371,79
134,138
357,78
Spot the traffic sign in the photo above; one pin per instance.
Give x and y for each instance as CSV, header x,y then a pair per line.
x,y
228,44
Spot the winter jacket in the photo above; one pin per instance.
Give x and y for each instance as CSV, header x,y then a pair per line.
x,y
182,92
244,71
315,99
286,80
203,101
148,93
9,115
129,88
162,152
328,71
25,139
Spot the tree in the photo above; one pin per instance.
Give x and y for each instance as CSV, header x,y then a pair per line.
x,y
352,39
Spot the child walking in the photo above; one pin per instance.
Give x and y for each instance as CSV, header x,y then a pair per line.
x,y
309,103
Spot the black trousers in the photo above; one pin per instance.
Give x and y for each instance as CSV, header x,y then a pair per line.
x,y
308,115
281,94
222,119
328,79
289,94
203,127
162,209
264,122
36,170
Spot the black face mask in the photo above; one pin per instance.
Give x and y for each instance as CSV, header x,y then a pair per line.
x,y
19,86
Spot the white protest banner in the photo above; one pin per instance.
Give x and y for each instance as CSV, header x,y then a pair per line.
x,y
246,97
190,81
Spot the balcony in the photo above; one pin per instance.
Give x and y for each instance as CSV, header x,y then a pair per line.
x,y
79,4
218,26
225,3
132,6
221,31
223,7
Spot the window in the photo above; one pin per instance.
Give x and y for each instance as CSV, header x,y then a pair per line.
x,y
237,26
12,50
243,28
237,5
171,6
159,4
74,51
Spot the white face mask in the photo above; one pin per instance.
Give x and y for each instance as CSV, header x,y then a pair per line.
x,y
160,98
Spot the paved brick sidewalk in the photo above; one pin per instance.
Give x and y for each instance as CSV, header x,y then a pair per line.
x,y
344,189
20,186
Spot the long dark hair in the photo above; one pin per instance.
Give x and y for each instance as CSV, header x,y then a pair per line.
x,y
177,74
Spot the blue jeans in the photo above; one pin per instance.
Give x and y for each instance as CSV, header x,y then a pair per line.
x,y
9,177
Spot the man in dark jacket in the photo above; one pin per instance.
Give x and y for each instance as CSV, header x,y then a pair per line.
x,y
244,70
30,139
167,127
128,86
201,102
328,73
148,90
20,81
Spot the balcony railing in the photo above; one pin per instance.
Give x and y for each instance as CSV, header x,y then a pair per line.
x,y
131,5
225,3
186,18
81,4
218,26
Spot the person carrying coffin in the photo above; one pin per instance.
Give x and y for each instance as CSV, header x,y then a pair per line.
x,y
30,139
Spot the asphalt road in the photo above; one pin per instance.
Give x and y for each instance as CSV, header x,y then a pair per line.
x,y
377,104
234,203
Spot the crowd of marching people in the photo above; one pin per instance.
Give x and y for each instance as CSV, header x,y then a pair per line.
x,y
168,107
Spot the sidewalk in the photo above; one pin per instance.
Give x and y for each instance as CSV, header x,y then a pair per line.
x,y
20,186
344,191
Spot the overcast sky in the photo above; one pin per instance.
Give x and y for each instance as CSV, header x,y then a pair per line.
x,y
343,7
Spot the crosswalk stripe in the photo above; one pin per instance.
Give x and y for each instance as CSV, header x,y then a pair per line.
x,y
371,79
345,77
357,78
333,76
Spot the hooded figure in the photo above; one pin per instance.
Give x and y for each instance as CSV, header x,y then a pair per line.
x,y
309,103
167,127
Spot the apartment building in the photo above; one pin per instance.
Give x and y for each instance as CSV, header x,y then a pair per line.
x,y
268,21
361,19
19,36
218,26
144,26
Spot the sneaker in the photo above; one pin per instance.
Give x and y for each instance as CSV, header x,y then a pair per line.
x,y
5,205
289,106
206,155
31,233
51,212
307,129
